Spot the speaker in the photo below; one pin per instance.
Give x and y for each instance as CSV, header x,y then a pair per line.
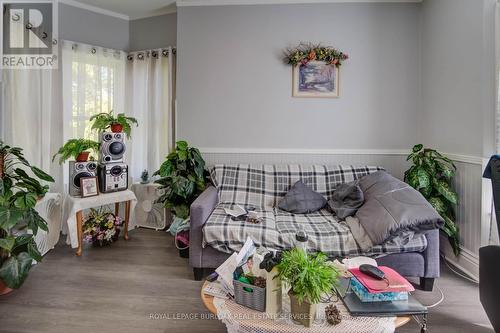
x,y
113,177
112,147
78,170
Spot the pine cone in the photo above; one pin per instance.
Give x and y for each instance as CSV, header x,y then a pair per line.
x,y
332,314
259,282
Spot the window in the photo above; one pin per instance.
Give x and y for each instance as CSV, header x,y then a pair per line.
x,y
93,82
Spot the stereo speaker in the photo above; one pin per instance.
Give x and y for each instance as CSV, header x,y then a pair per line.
x,y
112,148
78,170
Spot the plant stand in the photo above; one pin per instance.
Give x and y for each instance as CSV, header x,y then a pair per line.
x,y
73,214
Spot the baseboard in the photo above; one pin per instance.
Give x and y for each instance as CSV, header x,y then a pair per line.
x,y
467,262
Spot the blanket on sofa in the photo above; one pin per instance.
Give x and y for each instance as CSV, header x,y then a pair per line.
x,y
278,228
261,187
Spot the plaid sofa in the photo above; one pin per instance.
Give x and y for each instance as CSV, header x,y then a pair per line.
x,y
214,233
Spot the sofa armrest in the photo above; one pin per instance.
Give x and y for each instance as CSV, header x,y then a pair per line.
x,y
431,254
200,211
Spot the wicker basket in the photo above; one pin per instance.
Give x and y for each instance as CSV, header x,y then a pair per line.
x,y
250,296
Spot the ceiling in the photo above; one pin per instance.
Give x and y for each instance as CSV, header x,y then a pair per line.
x,y
134,9
129,9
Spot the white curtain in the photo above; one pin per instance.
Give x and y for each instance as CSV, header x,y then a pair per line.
x,y
30,115
93,82
150,99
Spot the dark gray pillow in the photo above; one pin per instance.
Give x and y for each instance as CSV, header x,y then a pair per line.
x,y
301,199
346,199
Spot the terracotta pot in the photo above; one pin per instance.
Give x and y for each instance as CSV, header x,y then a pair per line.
x,y
116,128
303,313
83,156
4,290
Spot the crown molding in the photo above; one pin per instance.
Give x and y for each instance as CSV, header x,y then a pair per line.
x,y
94,9
188,3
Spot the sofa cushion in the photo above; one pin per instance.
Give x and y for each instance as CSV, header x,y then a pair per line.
x,y
301,199
264,185
226,234
278,230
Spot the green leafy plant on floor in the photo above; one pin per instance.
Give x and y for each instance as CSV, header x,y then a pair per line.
x,y
19,221
103,121
182,178
432,175
308,275
73,147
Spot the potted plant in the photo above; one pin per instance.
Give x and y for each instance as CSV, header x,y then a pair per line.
x,y
19,221
432,174
309,276
118,123
101,227
182,179
78,149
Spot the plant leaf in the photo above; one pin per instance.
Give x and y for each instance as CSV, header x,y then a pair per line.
x,y
438,205
9,217
424,179
33,251
416,148
7,243
26,200
445,190
41,174
15,269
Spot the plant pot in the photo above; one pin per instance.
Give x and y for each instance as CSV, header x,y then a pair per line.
x,y
303,313
83,156
116,128
4,290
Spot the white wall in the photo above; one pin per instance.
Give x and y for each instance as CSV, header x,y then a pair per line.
x,y
153,32
84,26
458,106
457,76
235,91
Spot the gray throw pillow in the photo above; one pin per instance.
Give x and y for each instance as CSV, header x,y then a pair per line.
x,y
301,199
346,199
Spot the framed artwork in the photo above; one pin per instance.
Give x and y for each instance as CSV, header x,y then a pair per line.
x,y
89,186
315,79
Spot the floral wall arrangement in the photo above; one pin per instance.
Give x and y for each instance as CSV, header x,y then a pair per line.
x,y
315,70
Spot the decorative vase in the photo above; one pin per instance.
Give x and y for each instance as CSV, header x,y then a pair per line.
x,y
304,313
116,128
273,294
4,290
83,156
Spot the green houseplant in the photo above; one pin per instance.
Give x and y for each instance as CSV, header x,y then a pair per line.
x,y
182,177
19,221
118,123
309,276
78,149
432,174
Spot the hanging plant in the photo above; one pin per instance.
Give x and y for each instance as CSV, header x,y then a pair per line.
x,y
304,53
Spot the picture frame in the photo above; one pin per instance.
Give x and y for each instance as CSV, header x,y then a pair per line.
x,y
89,187
315,79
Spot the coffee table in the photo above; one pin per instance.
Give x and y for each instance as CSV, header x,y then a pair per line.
x,y
208,301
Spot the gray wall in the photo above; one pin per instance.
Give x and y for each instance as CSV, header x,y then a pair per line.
x,y
458,76
235,91
80,25
153,32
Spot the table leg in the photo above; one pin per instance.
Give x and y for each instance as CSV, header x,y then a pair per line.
x,y
127,218
79,221
117,209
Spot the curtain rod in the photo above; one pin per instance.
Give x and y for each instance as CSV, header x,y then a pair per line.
x,y
151,53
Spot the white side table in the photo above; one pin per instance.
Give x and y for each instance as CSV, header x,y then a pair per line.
x,y
50,209
73,213
147,213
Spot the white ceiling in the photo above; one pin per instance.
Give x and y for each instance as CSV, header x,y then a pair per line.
x,y
134,9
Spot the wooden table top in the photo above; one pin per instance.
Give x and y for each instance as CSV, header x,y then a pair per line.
x,y
208,301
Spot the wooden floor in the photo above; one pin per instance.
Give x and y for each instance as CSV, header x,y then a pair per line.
x,y
139,285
